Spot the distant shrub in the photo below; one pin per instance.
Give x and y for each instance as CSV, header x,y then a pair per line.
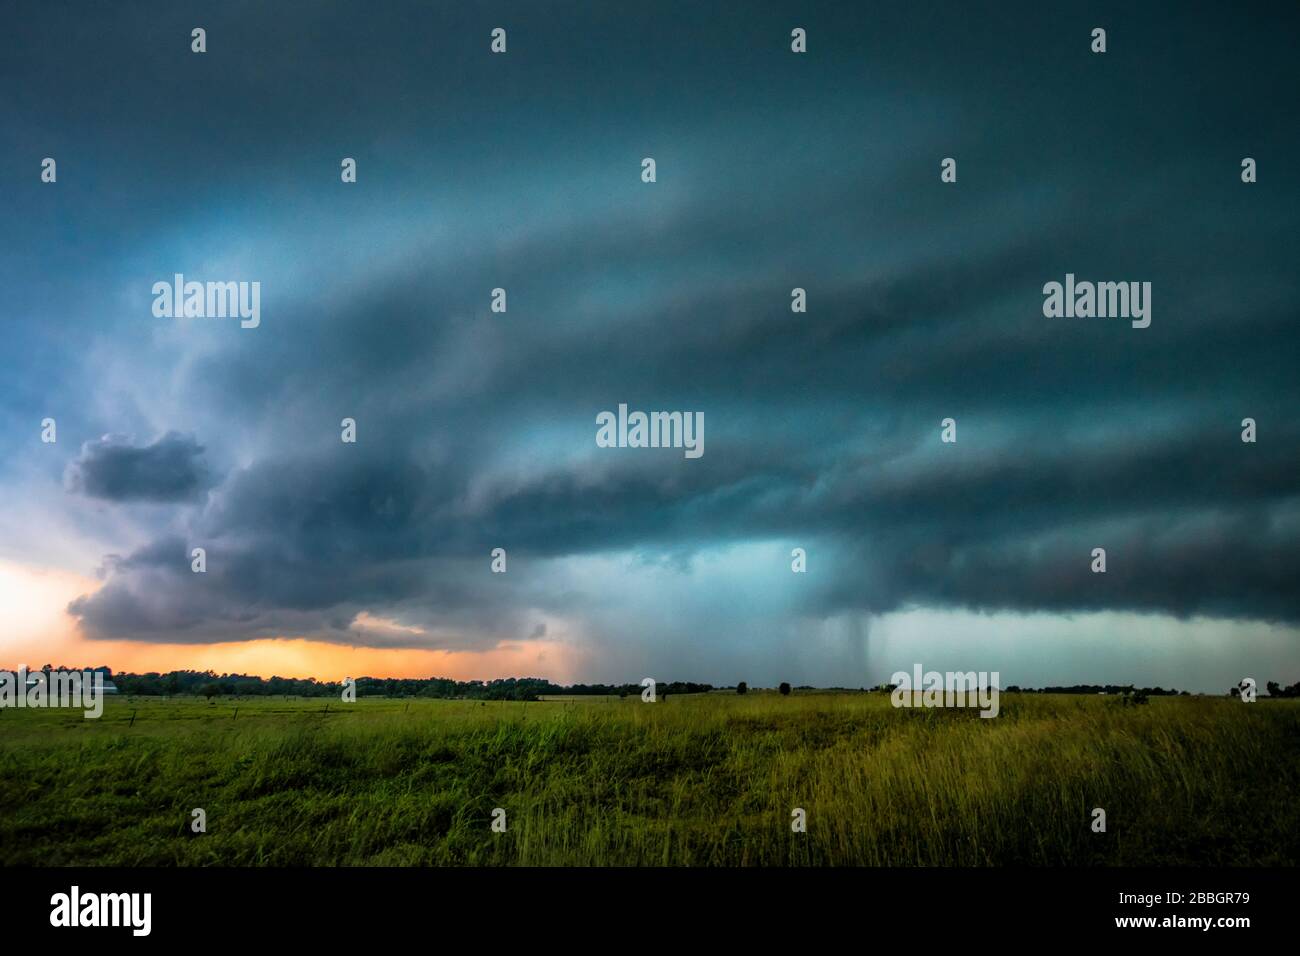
x,y
742,688
785,689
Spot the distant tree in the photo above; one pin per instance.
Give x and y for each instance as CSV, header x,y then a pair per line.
x,y
1234,691
785,689
210,690
742,688
1274,689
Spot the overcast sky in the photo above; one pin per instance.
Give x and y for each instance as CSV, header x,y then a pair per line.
x,y
476,430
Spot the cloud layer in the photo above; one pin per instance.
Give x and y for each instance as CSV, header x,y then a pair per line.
x,y
476,430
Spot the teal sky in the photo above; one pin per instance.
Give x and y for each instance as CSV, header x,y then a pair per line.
x,y
476,429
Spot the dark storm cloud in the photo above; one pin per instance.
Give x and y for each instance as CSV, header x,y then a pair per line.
x,y
1190,526
824,435
476,430
169,470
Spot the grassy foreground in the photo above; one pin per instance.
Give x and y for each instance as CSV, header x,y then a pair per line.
x,y
702,780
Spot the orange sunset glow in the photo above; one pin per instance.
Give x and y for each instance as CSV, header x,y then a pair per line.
x,y
38,630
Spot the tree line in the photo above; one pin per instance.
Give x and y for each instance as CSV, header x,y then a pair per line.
x,y
211,684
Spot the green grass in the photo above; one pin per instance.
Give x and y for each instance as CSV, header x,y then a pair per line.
x,y
699,780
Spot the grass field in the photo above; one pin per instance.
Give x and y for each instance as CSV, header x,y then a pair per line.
x,y
703,780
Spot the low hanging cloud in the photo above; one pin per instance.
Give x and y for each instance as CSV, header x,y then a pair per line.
x,y
113,468
362,537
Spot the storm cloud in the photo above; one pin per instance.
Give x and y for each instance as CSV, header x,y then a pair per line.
x,y
476,429
170,469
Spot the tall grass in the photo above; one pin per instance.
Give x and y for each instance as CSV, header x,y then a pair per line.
x,y
704,780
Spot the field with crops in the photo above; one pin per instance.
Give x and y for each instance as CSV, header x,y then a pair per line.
x,y
700,780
